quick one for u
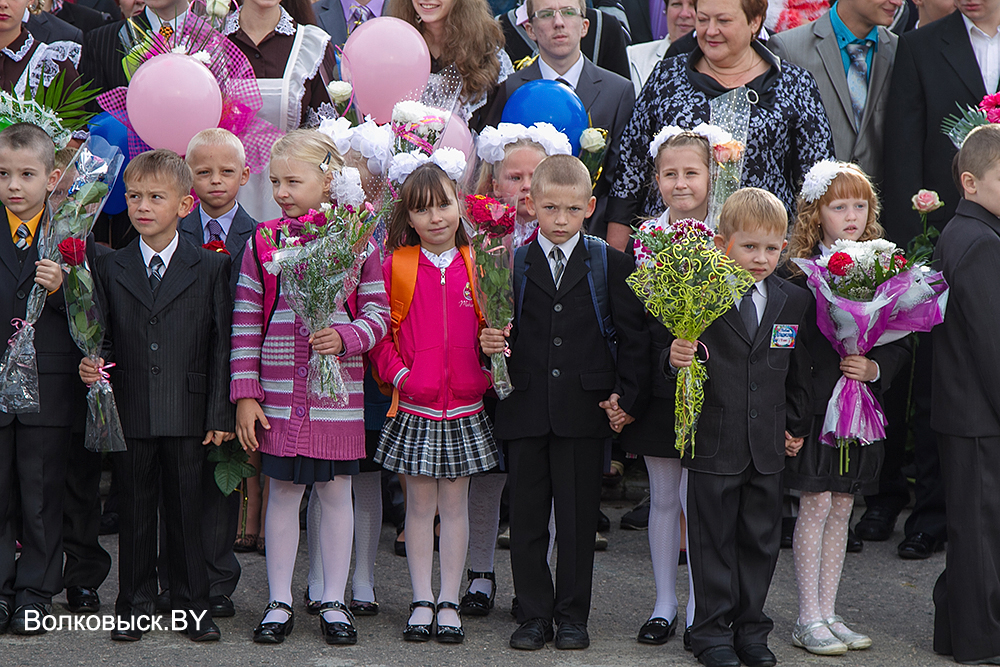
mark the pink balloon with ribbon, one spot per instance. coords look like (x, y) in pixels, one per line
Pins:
(457, 135)
(171, 98)
(386, 60)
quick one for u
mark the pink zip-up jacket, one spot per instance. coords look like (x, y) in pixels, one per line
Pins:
(437, 366)
(274, 369)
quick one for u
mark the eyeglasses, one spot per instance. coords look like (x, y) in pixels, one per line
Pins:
(565, 12)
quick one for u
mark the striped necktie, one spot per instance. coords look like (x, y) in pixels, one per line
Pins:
(22, 237)
(857, 79)
(155, 272)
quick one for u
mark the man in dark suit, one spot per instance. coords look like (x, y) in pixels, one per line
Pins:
(48, 28)
(936, 72)
(84, 18)
(562, 369)
(339, 18)
(757, 391)
(965, 408)
(168, 311)
(607, 96)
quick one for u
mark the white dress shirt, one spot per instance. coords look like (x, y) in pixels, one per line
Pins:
(442, 261)
(566, 247)
(987, 50)
(572, 75)
(165, 254)
(176, 22)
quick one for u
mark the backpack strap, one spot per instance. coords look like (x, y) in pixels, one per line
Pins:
(270, 284)
(522, 32)
(598, 279)
(404, 283)
(598, 29)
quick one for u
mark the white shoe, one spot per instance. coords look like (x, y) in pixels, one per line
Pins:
(855, 641)
(803, 636)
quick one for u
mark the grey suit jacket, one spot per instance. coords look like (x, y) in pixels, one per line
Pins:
(814, 47)
(608, 98)
(330, 17)
(236, 241)
(48, 28)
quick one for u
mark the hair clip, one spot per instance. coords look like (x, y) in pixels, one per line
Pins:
(324, 166)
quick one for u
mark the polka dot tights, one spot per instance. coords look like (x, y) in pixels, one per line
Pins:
(818, 549)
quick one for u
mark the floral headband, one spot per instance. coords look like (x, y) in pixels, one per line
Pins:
(818, 179)
(715, 135)
(493, 140)
(451, 160)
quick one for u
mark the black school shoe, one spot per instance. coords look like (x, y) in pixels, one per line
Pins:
(657, 631)
(479, 604)
(532, 635)
(274, 632)
(80, 599)
(638, 517)
(572, 636)
(757, 655)
(19, 621)
(338, 632)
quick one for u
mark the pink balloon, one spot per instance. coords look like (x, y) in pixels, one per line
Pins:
(386, 60)
(171, 98)
(457, 135)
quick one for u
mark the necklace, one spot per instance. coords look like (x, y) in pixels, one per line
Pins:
(725, 77)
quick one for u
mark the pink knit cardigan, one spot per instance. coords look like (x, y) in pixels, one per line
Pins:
(273, 370)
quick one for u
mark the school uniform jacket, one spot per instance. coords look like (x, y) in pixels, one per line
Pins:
(560, 364)
(190, 229)
(171, 351)
(755, 390)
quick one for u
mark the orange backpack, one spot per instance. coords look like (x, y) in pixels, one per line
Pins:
(404, 283)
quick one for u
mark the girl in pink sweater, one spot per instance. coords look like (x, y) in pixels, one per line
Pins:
(440, 434)
(303, 440)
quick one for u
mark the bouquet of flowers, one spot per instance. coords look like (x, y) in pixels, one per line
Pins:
(319, 257)
(687, 284)
(593, 148)
(417, 126)
(727, 133)
(90, 177)
(867, 294)
(492, 250)
(957, 128)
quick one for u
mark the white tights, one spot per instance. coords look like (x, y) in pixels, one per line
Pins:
(818, 549)
(282, 536)
(665, 476)
(450, 499)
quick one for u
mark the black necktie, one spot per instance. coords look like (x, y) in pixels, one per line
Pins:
(155, 272)
(557, 256)
(748, 313)
(564, 82)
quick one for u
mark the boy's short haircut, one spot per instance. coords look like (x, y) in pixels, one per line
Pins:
(980, 152)
(64, 156)
(217, 136)
(26, 136)
(750, 209)
(560, 171)
(161, 163)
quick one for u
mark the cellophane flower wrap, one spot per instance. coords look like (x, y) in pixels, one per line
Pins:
(593, 148)
(492, 247)
(867, 294)
(687, 283)
(728, 135)
(319, 257)
(88, 180)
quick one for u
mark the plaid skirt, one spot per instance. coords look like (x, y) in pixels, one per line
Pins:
(447, 449)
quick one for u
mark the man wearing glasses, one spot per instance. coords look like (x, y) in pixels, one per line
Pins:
(558, 26)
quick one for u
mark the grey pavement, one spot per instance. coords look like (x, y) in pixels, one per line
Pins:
(880, 595)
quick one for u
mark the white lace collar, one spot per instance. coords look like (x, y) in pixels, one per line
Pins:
(286, 25)
(29, 41)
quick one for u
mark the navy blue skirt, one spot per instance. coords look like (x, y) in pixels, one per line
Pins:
(303, 469)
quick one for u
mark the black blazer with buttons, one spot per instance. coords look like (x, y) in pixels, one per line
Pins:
(560, 364)
(56, 354)
(171, 351)
(236, 241)
(754, 392)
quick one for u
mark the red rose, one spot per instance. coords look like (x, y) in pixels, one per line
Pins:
(216, 246)
(840, 263)
(900, 262)
(74, 251)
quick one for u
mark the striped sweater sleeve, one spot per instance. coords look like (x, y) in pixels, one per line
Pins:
(247, 335)
(372, 321)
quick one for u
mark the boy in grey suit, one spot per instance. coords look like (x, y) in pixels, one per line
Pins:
(756, 397)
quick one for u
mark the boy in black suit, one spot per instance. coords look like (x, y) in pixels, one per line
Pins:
(168, 314)
(965, 405)
(218, 162)
(563, 368)
(33, 446)
(757, 392)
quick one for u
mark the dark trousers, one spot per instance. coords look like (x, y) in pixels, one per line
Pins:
(734, 534)
(87, 563)
(178, 462)
(967, 594)
(220, 522)
(33, 457)
(566, 472)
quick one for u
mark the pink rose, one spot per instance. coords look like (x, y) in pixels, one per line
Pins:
(926, 201)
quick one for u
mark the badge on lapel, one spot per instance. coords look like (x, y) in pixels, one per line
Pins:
(783, 335)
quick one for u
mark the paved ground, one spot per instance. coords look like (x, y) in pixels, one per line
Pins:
(888, 598)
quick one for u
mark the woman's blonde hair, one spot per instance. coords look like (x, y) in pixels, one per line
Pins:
(472, 39)
(850, 183)
(490, 173)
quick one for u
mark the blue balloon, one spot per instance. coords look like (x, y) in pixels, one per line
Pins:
(545, 101)
(105, 125)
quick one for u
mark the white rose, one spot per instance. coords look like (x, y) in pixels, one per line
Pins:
(407, 112)
(218, 9)
(592, 140)
(339, 91)
(347, 190)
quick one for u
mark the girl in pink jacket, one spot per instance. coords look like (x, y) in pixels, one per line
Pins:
(440, 434)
